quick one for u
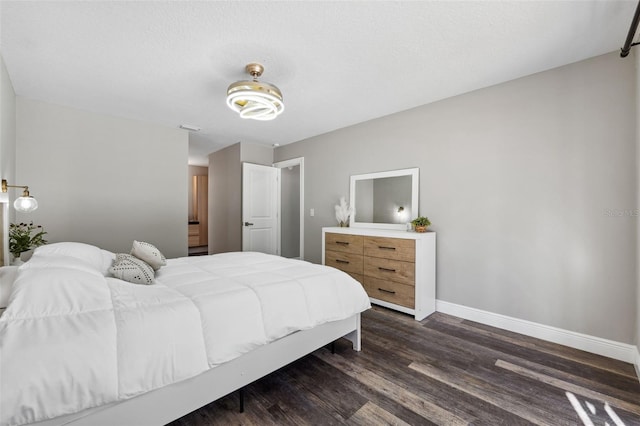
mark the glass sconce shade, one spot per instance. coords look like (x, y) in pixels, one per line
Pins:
(25, 204)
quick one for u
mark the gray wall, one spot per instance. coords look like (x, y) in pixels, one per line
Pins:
(522, 182)
(257, 154)
(103, 180)
(7, 132)
(225, 193)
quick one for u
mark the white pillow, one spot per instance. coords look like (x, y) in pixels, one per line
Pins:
(129, 268)
(107, 260)
(149, 253)
(94, 256)
(7, 275)
(55, 260)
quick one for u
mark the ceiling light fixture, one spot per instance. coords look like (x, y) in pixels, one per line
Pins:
(254, 99)
(26, 203)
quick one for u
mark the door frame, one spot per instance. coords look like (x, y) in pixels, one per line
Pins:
(299, 161)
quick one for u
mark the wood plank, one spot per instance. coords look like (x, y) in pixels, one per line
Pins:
(371, 414)
(393, 390)
(504, 349)
(476, 411)
(572, 354)
(488, 393)
(564, 385)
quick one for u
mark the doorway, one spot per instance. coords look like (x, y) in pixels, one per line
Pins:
(273, 208)
(291, 207)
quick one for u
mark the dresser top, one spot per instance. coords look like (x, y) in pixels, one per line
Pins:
(374, 232)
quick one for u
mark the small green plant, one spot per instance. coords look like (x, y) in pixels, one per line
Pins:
(421, 221)
(22, 237)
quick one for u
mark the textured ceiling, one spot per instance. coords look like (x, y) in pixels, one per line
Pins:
(337, 63)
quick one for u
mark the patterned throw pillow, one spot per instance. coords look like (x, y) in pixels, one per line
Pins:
(149, 253)
(129, 268)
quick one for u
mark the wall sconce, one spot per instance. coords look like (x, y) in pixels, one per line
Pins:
(26, 203)
(400, 209)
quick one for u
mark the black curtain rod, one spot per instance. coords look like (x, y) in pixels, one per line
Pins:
(632, 32)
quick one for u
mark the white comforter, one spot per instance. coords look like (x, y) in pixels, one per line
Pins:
(73, 339)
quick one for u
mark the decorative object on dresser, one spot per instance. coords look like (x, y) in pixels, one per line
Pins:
(343, 212)
(421, 223)
(396, 268)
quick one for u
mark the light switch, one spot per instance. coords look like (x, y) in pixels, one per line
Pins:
(312, 212)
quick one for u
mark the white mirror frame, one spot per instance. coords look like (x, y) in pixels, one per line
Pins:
(415, 180)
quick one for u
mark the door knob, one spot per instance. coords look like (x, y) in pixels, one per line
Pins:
(248, 224)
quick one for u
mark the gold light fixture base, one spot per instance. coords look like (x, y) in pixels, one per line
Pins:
(254, 69)
(5, 188)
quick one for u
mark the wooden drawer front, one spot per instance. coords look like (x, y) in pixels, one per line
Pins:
(194, 229)
(194, 240)
(392, 270)
(347, 262)
(390, 248)
(344, 243)
(400, 294)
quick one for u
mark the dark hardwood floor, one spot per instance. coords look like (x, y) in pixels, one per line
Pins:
(442, 370)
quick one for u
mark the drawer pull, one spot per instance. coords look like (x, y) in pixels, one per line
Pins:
(386, 269)
(344, 243)
(342, 261)
(386, 248)
(386, 291)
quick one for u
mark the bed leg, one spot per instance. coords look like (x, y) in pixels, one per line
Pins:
(241, 397)
(333, 347)
(356, 336)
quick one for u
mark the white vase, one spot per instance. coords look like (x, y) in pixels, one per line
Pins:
(16, 260)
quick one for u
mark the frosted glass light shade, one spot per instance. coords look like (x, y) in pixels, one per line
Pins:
(253, 99)
(25, 204)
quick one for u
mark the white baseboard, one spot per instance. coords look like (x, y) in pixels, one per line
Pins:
(609, 348)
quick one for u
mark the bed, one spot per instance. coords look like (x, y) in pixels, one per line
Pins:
(80, 347)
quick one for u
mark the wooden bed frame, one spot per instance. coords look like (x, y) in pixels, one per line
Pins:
(171, 402)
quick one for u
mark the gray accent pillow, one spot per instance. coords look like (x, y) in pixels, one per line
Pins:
(129, 268)
(149, 253)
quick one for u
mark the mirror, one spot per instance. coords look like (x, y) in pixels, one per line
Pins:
(385, 199)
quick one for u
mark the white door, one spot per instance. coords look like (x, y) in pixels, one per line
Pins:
(260, 202)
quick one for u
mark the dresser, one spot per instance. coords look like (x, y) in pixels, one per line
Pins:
(396, 268)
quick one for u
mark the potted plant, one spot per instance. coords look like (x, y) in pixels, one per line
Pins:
(24, 237)
(421, 223)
